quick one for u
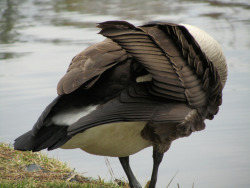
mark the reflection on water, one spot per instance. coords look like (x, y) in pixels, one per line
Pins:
(9, 17)
(38, 39)
(8, 21)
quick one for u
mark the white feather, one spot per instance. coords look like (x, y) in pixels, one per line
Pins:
(144, 78)
(72, 115)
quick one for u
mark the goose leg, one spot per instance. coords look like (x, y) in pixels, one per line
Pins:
(157, 157)
(131, 178)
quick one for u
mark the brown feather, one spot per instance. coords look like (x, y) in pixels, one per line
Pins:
(86, 67)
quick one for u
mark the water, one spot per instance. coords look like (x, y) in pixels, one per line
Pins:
(38, 39)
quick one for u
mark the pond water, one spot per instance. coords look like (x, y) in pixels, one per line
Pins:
(38, 39)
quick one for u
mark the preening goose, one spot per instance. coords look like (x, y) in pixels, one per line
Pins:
(142, 86)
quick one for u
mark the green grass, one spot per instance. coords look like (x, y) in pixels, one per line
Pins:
(54, 173)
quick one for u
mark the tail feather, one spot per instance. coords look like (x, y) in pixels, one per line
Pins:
(51, 137)
(44, 134)
(24, 142)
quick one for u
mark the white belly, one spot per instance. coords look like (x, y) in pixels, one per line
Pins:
(114, 139)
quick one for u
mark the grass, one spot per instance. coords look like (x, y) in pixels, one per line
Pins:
(53, 173)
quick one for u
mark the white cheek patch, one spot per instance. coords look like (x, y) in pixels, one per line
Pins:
(71, 116)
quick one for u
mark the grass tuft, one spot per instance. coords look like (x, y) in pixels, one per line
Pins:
(53, 173)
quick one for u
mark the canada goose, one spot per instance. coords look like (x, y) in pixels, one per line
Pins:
(142, 86)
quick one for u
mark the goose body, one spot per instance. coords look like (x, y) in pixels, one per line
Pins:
(114, 139)
(142, 86)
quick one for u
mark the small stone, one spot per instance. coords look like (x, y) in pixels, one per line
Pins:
(33, 167)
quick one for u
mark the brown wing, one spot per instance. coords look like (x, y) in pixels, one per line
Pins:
(180, 70)
(135, 104)
(87, 66)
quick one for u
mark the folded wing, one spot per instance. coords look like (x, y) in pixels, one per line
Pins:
(87, 67)
(180, 70)
(135, 104)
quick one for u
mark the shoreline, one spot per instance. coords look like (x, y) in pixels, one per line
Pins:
(36, 169)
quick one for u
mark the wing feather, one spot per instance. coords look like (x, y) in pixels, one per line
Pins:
(175, 58)
(87, 67)
(135, 104)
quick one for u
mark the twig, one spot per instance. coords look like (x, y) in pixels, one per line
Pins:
(172, 179)
(110, 169)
